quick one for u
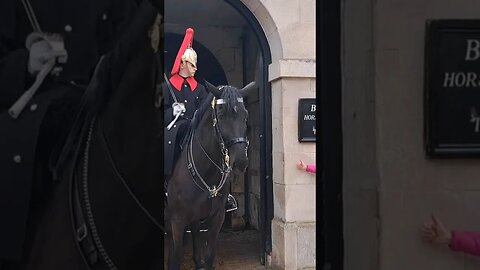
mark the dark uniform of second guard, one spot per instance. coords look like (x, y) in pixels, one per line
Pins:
(88, 29)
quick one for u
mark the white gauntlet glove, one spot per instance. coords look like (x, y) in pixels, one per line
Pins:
(44, 51)
(40, 53)
(43, 48)
(178, 109)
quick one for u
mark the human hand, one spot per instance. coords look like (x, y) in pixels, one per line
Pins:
(178, 108)
(39, 54)
(435, 232)
(301, 165)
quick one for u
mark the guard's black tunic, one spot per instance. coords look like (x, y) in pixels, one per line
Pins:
(174, 136)
(89, 29)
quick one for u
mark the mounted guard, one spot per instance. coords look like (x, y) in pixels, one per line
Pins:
(182, 97)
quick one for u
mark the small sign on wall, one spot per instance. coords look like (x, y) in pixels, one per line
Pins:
(452, 88)
(306, 120)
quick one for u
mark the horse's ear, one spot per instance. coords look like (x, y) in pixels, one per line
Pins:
(214, 90)
(247, 89)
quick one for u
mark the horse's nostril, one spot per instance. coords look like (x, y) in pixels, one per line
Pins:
(241, 165)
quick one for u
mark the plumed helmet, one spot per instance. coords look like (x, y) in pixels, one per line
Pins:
(186, 52)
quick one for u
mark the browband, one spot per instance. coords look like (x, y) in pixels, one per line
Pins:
(221, 101)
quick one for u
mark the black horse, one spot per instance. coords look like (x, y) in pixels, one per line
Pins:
(198, 187)
(106, 209)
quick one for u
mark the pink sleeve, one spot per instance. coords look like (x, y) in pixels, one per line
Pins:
(311, 168)
(468, 242)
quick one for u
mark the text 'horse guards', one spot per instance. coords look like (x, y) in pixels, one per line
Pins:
(198, 188)
(106, 209)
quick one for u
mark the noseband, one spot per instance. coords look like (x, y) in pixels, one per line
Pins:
(225, 168)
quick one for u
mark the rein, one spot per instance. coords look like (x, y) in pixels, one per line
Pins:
(85, 193)
(124, 183)
(226, 168)
(88, 206)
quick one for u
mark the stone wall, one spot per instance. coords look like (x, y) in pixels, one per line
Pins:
(390, 186)
(292, 76)
(360, 173)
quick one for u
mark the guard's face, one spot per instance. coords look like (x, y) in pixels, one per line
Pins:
(188, 68)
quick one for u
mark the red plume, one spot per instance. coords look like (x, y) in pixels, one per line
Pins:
(187, 42)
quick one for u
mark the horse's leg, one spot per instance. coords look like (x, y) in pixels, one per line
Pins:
(213, 231)
(198, 244)
(175, 251)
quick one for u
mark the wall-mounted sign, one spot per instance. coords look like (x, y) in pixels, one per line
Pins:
(452, 88)
(306, 120)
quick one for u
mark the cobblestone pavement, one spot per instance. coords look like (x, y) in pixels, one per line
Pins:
(235, 251)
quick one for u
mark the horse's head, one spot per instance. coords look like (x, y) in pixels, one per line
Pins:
(230, 120)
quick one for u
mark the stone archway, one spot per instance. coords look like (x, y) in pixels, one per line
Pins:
(290, 32)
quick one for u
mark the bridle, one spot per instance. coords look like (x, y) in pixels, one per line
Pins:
(225, 167)
(225, 145)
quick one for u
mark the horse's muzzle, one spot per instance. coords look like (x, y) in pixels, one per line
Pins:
(239, 158)
(240, 166)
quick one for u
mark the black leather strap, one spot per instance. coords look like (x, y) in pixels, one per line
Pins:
(84, 115)
(84, 240)
(236, 140)
(83, 236)
(169, 86)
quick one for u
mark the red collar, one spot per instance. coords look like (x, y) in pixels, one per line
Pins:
(177, 80)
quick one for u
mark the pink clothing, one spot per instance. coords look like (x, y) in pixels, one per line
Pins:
(468, 242)
(311, 168)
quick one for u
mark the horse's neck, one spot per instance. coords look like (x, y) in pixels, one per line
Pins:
(132, 100)
(209, 141)
(130, 120)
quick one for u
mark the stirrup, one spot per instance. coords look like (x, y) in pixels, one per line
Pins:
(231, 204)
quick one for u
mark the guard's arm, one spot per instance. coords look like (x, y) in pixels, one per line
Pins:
(168, 101)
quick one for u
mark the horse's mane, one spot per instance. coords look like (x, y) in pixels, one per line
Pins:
(132, 39)
(230, 95)
(201, 111)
